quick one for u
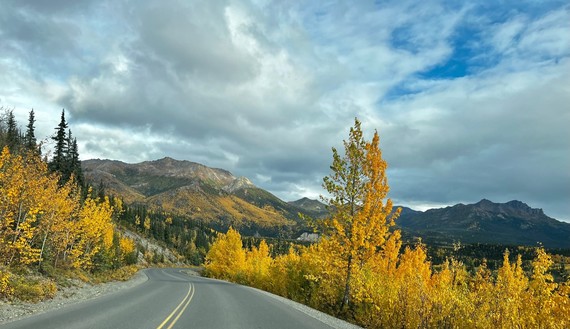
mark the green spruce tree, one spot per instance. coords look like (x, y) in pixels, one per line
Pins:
(30, 141)
(12, 133)
(73, 162)
(58, 162)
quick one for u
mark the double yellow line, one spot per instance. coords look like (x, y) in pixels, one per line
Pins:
(179, 309)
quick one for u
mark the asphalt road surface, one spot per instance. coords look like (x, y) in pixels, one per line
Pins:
(173, 299)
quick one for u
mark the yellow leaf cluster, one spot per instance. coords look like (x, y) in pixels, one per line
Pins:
(40, 220)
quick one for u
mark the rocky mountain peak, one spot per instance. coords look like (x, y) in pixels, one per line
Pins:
(237, 184)
(513, 208)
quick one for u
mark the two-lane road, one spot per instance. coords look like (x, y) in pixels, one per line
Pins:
(172, 299)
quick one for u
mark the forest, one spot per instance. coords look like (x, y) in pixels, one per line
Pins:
(361, 271)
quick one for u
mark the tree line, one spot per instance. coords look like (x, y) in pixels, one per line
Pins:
(360, 271)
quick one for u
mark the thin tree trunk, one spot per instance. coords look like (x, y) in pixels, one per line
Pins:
(346, 295)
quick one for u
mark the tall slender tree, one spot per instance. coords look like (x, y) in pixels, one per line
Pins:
(12, 133)
(58, 162)
(73, 162)
(30, 137)
(361, 219)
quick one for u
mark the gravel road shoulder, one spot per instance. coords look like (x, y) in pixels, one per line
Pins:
(12, 311)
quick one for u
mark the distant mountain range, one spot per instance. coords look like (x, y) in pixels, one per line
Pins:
(217, 197)
(513, 223)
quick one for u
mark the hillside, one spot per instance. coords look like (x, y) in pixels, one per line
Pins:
(513, 223)
(199, 192)
(217, 197)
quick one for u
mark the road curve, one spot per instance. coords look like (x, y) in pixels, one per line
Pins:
(172, 299)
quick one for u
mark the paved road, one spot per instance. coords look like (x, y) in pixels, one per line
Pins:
(173, 299)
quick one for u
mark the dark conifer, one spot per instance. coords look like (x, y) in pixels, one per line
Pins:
(58, 162)
(73, 162)
(30, 141)
(12, 133)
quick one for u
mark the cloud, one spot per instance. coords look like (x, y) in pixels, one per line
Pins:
(469, 99)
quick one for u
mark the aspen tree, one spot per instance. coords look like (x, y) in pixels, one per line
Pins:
(226, 258)
(360, 223)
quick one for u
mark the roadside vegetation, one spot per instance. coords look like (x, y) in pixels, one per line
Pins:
(360, 271)
(52, 225)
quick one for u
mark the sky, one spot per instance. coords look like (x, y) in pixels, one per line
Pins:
(471, 99)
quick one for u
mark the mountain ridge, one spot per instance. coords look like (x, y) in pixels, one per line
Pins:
(198, 192)
(217, 196)
(512, 222)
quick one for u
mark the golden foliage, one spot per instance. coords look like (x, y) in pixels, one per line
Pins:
(359, 272)
(226, 258)
(41, 220)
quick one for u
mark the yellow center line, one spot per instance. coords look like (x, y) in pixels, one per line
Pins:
(183, 309)
(185, 301)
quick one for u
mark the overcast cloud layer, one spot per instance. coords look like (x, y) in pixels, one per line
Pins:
(471, 100)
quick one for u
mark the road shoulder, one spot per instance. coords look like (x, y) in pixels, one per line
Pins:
(12, 311)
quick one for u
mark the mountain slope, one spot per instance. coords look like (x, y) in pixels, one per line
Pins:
(314, 208)
(196, 191)
(513, 222)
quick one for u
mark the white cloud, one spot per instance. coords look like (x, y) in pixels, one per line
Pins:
(264, 89)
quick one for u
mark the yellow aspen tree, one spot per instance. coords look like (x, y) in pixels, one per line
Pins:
(561, 301)
(21, 187)
(361, 220)
(413, 276)
(285, 274)
(226, 258)
(449, 296)
(127, 247)
(510, 290)
(481, 297)
(57, 214)
(258, 262)
(542, 288)
(95, 231)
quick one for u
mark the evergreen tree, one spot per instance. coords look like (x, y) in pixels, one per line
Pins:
(73, 162)
(30, 141)
(12, 133)
(58, 162)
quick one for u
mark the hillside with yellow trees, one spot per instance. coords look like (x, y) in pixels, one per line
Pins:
(359, 270)
(187, 189)
(50, 223)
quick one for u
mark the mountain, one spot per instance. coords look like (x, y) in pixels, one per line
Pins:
(196, 191)
(217, 197)
(512, 223)
(313, 208)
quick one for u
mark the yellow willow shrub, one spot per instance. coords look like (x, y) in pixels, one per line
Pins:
(226, 258)
(258, 262)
